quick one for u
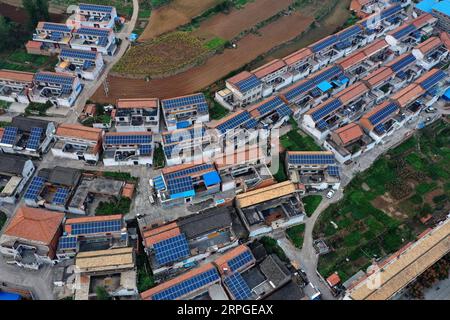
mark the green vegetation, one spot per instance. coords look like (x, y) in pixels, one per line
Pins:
(216, 110)
(294, 141)
(272, 246)
(281, 176)
(102, 294)
(2, 219)
(159, 159)
(216, 43)
(117, 206)
(11, 35)
(123, 176)
(369, 229)
(122, 7)
(4, 105)
(36, 108)
(311, 203)
(145, 279)
(295, 234)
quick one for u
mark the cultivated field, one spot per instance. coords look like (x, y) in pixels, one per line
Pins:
(173, 15)
(384, 208)
(215, 68)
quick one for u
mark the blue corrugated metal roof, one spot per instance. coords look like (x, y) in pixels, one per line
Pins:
(324, 86)
(8, 296)
(426, 5)
(443, 7)
(211, 178)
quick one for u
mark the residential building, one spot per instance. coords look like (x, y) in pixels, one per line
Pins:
(27, 136)
(439, 9)
(348, 142)
(128, 148)
(381, 84)
(90, 234)
(186, 184)
(430, 53)
(49, 38)
(382, 120)
(313, 169)
(435, 83)
(15, 85)
(196, 237)
(31, 237)
(61, 89)
(135, 115)
(83, 64)
(184, 112)
(101, 40)
(114, 269)
(266, 209)
(78, 142)
(15, 172)
(274, 75)
(300, 63)
(241, 90)
(96, 16)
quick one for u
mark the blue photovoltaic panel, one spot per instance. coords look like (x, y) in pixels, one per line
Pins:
(95, 7)
(168, 150)
(327, 75)
(284, 111)
(333, 171)
(324, 43)
(240, 261)
(87, 64)
(238, 287)
(380, 128)
(54, 78)
(405, 31)
(321, 124)
(343, 45)
(202, 108)
(56, 27)
(198, 99)
(78, 54)
(349, 32)
(269, 106)
(180, 185)
(9, 135)
(390, 11)
(299, 90)
(96, 227)
(67, 242)
(402, 63)
(234, 122)
(325, 159)
(35, 138)
(35, 188)
(431, 81)
(96, 32)
(61, 196)
(102, 41)
(56, 36)
(326, 109)
(249, 83)
(189, 171)
(171, 250)
(383, 113)
(128, 139)
(251, 124)
(158, 183)
(145, 149)
(184, 287)
(184, 135)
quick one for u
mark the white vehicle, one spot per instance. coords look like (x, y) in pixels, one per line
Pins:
(330, 194)
(430, 110)
(150, 198)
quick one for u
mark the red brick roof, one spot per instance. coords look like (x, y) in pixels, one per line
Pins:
(16, 75)
(137, 103)
(349, 133)
(79, 131)
(333, 280)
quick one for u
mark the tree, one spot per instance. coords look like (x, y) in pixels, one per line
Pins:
(37, 10)
(102, 294)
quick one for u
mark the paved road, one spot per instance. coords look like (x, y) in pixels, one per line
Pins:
(440, 291)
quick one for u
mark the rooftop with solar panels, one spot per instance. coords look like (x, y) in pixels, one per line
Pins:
(128, 148)
(185, 111)
(96, 15)
(138, 114)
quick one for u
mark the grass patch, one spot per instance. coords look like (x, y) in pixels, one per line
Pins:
(272, 246)
(159, 160)
(293, 141)
(117, 206)
(145, 279)
(216, 43)
(3, 219)
(123, 176)
(40, 109)
(311, 203)
(424, 187)
(4, 104)
(296, 234)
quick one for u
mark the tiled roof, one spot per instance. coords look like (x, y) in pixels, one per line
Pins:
(79, 131)
(352, 60)
(379, 76)
(128, 190)
(137, 103)
(423, 20)
(35, 224)
(375, 47)
(93, 219)
(161, 233)
(366, 123)
(239, 77)
(333, 280)
(349, 133)
(278, 190)
(445, 37)
(222, 261)
(407, 95)
(269, 68)
(429, 44)
(352, 93)
(16, 75)
(297, 56)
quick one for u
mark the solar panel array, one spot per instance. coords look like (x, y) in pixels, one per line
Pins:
(78, 54)
(102, 41)
(402, 63)
(326, 109)
(349, 32)
(324, 43)
(54, 78)
(56, 27)
(234, 122)
(324, 159)
(333, 171)
(185, 135)
(56, 36)
(284, 110)
(184, 287)
(60, 196)
(35, 138)
(171, 250)
(145, 149)
(180, 185)
(35, 188)
(383, 113)
(184, 101)
(95, 32)
(67, 242)
(240, 261)
(238, 287)
(96, 227)
(431, 81)
(159, 183)
(248, 84)
(95, 7)
(404, 31)
(189, 171)
(9, 135)
(390, 11)
(321, 124)
(380, 128)
(128, 139)
(269, 106)
(251, 124)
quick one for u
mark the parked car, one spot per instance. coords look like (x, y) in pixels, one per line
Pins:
(430, 110)
(331, 193)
